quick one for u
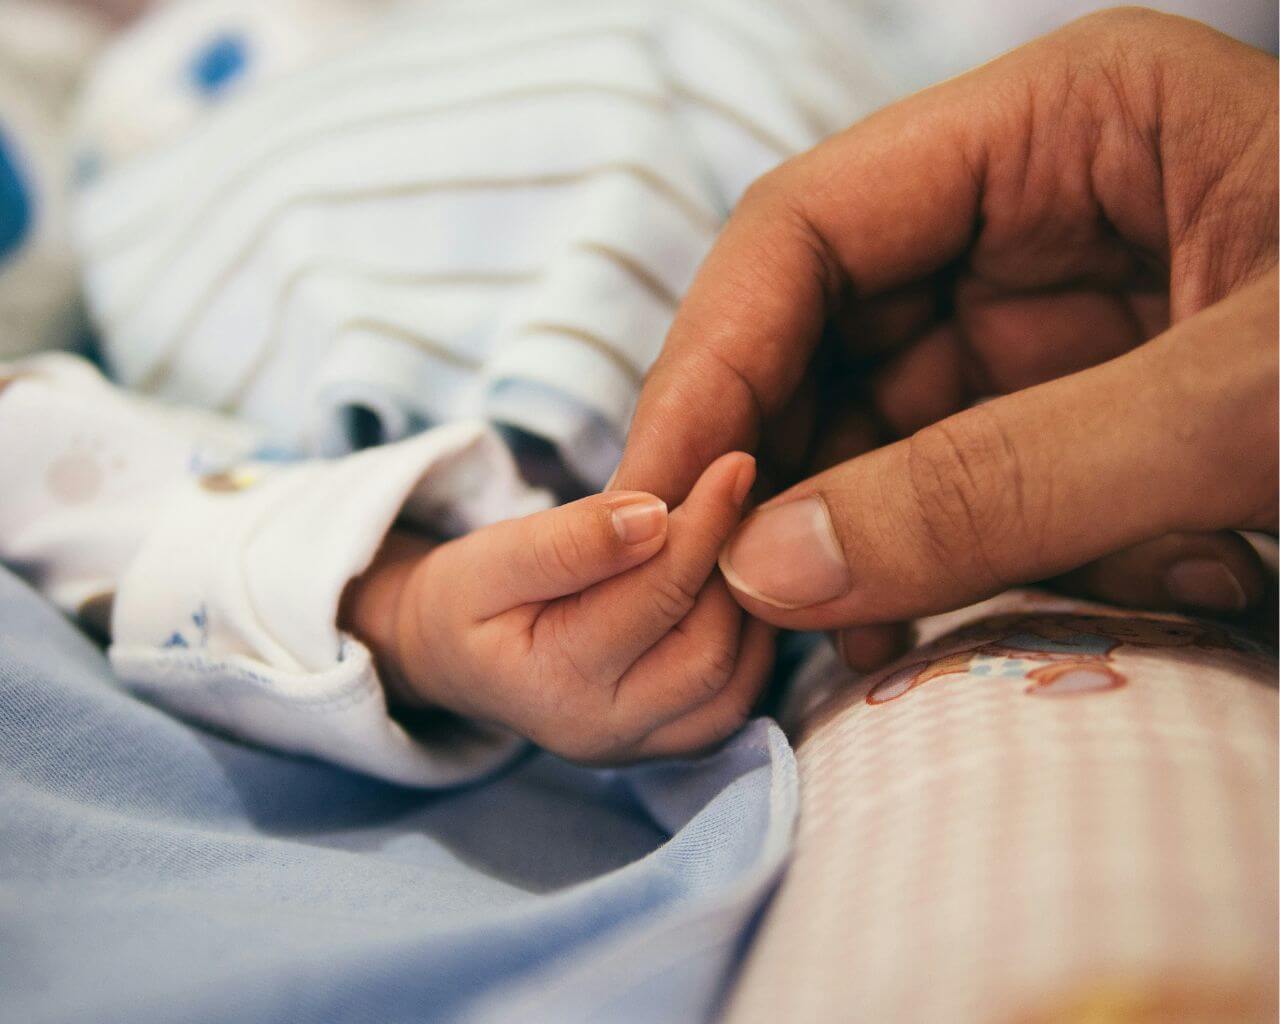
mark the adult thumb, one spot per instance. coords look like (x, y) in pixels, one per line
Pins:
(1177, 435)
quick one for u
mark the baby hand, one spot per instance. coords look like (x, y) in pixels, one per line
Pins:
(598, 629)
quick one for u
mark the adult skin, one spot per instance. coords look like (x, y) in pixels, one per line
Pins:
(1085, 229)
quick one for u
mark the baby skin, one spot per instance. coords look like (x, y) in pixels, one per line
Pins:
(600, 629)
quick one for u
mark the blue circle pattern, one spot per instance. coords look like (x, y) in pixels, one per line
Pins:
(15, 202)
(984, 665)
(218, 63)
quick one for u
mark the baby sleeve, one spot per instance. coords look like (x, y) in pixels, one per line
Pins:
(217, 572)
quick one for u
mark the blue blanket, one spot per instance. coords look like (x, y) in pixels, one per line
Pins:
(150, 871)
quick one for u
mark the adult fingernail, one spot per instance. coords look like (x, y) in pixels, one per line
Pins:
(640, 521)
(787, 556)
(1205, 583)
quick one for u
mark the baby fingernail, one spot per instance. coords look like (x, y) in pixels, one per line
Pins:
(1205, 583)
(788, 556)
(640, 521)
(746, 477)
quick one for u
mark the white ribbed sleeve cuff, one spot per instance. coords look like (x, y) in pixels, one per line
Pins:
(227, 615)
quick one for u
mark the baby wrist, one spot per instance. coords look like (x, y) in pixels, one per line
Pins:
(378, 609)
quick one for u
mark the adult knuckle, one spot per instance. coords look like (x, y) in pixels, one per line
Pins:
(730, 380)
(786, 198)
(1170, 42)
(1121, 17)
(767, 190)
(1119, 24)
(1099, 45)
(968, 493)
(941, 493)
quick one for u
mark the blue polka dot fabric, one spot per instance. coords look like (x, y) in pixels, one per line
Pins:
(15, 201)
(218, 63)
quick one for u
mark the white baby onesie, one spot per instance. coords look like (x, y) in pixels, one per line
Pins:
(218, 576)
(456, 209)
(330, 224)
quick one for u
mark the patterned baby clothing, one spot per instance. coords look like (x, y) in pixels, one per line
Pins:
(425, 229)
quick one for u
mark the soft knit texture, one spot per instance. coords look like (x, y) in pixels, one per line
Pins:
(330, 224)
(151, 872)
(217, 577)
(429, 211)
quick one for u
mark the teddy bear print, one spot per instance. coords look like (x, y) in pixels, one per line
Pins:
(1055, 655)
(79, 474)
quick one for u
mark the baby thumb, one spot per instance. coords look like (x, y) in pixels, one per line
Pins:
(553, 553)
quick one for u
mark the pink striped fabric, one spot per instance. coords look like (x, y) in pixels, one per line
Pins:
(988, 846)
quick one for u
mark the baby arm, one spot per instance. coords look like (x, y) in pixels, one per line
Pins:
(596, 629)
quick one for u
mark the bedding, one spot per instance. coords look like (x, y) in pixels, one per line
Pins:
(153, 872)
(1050, 811)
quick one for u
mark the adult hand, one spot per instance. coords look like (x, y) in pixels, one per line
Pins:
(1085, 228)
